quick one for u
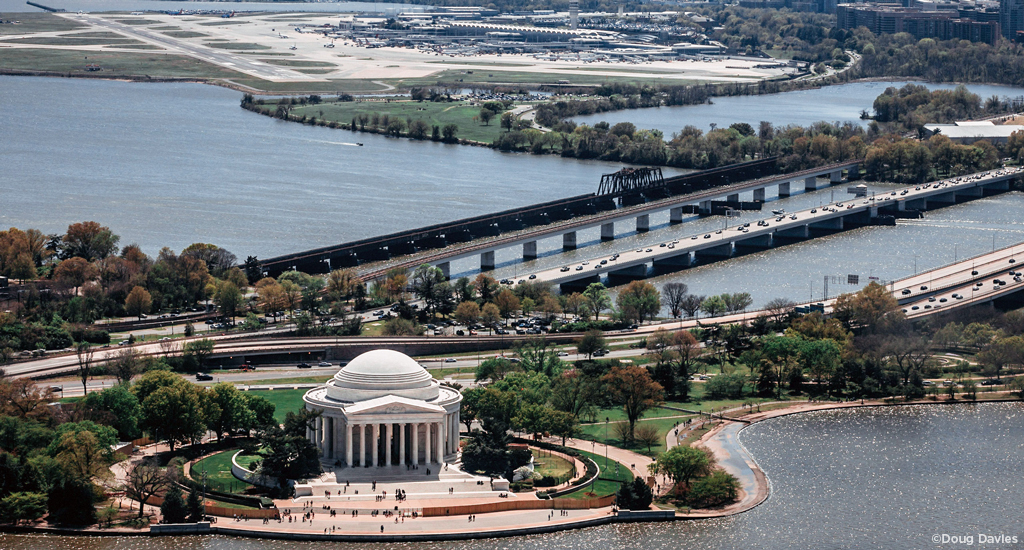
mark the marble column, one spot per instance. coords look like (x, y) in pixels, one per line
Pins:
(440, 442)
(401, 444)
(329, 452)
(349, 434)
(362, 444)
(376, 444)
(320, 433)
(388, 441)
(415, 427)
(426, 442)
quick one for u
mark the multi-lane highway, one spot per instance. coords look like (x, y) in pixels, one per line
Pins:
(764, 233)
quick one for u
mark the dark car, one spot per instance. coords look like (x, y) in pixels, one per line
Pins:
(203, 377)
(990, 382)
(305, 366)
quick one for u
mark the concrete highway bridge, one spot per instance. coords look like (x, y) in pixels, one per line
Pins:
(780, 230)
(633, 217)
(688, 193)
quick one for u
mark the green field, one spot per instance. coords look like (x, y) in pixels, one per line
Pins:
(612, 475)
(185, 34)
(218, 473)
(482, 76)
(36, 22)
(137, 21)
(112, 63)
(547, 464)
(285, 401)
(439, 114)
(70, 41)
(297, 63)
(596, 432)
(237, 45)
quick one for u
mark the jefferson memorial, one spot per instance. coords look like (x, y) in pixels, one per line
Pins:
(384, 410)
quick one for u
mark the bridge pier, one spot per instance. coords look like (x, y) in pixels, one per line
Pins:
(971, 192)
(915, 204)
(1001, 185)
(836, 177)
(800, 232)
(944, 199)
(759, 195)
(705, 207)
(608, 231)
(675, 215)
(530, 250)
(487, 260)
(811, 183)
(784, 189)
(446, 269)
(758, 242)
(735, 197)
(720, 251)
(569, 241)
(643, 223)
(683, 260)
(831, 223)
(638, 271)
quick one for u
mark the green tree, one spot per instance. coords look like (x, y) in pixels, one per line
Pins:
(683, 463)
(173, 508)
(634, 495)
(633, 388)
(486, 115)
(717, 489)
(639, 300)
(175, 413)
(71, 502)
(198, 351)
(597, 299)
(194, 505)
(22, 506)
(285, 451)
(591, 342)
(123, 407)
(228, 299)
(714, 306)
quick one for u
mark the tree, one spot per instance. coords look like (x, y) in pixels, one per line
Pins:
(673, 296)
(82, 454)
(450, 133)
(75, 272)
(144, 478)
(715, 490)
(174, 413)
(562, 424)
(122, 405)
(647, 435)
(574, 393)
(228, 298)
(713, 306)
(490, 314)
(22, 506)
(138, 302)
(467, 313)
(88, 240)
(590, 342)
(633, 388)
(867, 308)
(426, 282)
(285, 451)
(639, 300)
(634, 495)
(1002, 352)
(779, 308)
(691, 304)
(597, 299)
(173, 508)
(400, 327)
(231, 409)
(486, 115)
(507, 303)
(71, 502)
(508, 120)
(194, 505)
(738, 301)
(574, 303)
(682, 463)
(124, 364)
(199, 351)
(84, 352)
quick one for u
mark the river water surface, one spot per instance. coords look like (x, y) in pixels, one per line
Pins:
(874, 478)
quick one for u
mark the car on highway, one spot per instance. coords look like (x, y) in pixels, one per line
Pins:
(324, 364)
(305, 366)
(531, 277)
(203, 377)
(906, 291)
(990, 382)
(563, 354)
(449, 360)
(564, 269)
(579, 268)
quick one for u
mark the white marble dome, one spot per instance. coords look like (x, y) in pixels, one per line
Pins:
(379, 373)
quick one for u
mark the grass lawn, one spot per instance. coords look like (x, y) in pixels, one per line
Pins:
(37, 22)
(297, 63)
(218, 473)
(324, 87)
(186, 34)
(138, 21)
(237, 45)
(112, 63)
(482, 76)
(71, 41)
(547, 464)
(612, 475)
(439, 114)
(293, 380)
(596, 432)
(285, 401)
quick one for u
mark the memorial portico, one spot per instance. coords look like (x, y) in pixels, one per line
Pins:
(383, 409)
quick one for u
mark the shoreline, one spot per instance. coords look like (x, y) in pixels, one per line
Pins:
(749, 499)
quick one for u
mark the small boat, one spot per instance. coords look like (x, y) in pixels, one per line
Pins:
(359, 144)
(778, 212)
